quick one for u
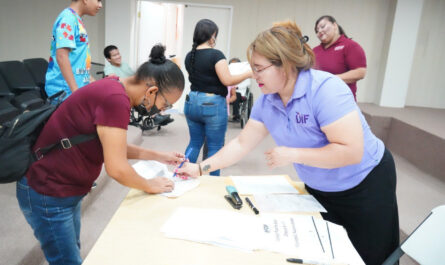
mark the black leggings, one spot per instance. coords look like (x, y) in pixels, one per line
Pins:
(368, 212)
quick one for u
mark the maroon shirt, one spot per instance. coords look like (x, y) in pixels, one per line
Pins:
(342, 56)
(71, 172)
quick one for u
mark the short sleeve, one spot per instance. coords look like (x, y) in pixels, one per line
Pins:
(114, 111)
(218, 56)
(108, 70)
(64, 33)
(257, 109)
(332, 100)
(355, 56)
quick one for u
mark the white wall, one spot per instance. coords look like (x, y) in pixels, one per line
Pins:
(25, 29)
(427, 83)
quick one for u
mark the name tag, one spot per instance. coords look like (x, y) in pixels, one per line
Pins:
(338, 48)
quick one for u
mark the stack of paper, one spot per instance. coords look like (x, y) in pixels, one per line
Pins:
(300, 236)
(217, 227)
(287, 203)
(263, 185)
(151, 169)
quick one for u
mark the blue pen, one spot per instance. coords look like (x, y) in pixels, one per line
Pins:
(185, 159)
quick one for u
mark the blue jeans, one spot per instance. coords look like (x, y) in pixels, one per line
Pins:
(207, 119)
(55, 221)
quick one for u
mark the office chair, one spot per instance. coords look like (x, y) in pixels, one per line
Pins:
(426, 243)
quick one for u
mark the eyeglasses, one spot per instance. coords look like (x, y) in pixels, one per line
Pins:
(167, 105)
(258, 71)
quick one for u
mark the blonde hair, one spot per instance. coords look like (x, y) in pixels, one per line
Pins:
(283, 45)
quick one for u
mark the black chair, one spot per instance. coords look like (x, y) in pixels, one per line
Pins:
(37, 67)
(20, 82)
(97, 70)
(7, 110)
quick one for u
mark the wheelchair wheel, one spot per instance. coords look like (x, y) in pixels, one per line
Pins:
(249, 105)
(242, 121)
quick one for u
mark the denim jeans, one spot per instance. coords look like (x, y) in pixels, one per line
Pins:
(207, 119)
(55, 221)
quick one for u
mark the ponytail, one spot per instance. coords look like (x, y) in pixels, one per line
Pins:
(165, 73)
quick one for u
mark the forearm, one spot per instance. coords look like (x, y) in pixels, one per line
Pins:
(236, 79)
(66, 70)
(330, 156)
(136, 152)
(127, 176)
(236, 149)
(353, 75)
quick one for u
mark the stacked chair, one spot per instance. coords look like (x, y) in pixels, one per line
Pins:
(21, 87)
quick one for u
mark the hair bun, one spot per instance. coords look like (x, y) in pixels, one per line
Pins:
(157, 54)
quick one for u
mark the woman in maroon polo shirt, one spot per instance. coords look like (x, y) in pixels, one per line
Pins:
(338, 54)
(51, 193)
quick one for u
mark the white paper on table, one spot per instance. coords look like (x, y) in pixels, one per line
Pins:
(150, 169)
(247, 185)
(287, 203)
(291, 234)
(338, 246)
(217, 227)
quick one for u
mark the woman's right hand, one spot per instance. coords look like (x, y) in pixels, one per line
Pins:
(188, 170)
(160, 185)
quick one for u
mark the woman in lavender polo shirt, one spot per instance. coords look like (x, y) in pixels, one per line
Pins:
(318, 127)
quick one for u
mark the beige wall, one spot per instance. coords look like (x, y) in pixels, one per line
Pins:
(368, 24)
(427, 83)
(25, 29)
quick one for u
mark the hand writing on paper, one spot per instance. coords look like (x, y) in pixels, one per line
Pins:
(160, 185)
(188, 170)
(278, 156)
(170, 158)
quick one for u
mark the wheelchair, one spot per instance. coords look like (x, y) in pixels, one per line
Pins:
(245, 107)
(140, 118)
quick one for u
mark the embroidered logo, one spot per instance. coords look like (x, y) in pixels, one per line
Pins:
(301, 118)
(339, 48)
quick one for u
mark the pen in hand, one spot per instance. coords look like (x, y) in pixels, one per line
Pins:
(254, 209)
(187, 154)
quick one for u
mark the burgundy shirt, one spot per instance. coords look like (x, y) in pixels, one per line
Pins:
(71, 172)
(342, 56)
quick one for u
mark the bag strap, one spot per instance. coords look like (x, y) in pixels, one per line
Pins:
(65, 143)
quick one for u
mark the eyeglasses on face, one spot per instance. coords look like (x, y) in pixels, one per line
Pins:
(167, 104)
(257, 70)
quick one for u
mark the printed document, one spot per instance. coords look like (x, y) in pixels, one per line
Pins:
(287, 203)
(247, 185)
(151, 169)
(299, 236)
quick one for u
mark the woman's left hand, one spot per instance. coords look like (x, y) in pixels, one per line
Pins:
(278, 156)
(171, 158)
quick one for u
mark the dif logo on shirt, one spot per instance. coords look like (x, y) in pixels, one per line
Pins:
(301, 118)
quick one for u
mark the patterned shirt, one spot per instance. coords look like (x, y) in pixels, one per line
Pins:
(69, 32)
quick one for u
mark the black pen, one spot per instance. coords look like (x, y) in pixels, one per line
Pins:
(306, 261)
(254, 209)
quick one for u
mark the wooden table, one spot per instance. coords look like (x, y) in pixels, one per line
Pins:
(133, 235)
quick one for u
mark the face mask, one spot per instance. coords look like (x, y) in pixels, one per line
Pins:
(141, 109)
(154, 110)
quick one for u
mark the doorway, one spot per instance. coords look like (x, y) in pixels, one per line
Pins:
(173, 24)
